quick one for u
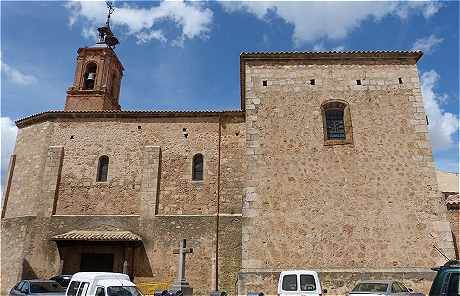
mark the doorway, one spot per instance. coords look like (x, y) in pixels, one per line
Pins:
(96, 262)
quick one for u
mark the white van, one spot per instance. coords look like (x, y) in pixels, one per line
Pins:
(299, 283)
(101, 284)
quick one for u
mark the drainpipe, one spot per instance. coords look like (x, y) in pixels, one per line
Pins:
(218, 204)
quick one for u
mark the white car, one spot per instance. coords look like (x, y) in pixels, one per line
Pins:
(299, 283)
(382, 288)
(101, 284)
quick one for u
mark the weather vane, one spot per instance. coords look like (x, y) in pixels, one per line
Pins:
(110, 11)
(105, 34)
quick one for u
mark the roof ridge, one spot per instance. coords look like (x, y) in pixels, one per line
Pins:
(331, 51)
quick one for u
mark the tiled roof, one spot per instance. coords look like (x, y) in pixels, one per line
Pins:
(331, 54)
(453, 199)
(120, 114)
(97, 235)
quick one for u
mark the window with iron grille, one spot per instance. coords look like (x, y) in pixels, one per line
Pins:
(197, 167)
(335, 124)
(103, 169)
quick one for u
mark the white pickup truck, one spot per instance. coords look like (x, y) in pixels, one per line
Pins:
(101, 284)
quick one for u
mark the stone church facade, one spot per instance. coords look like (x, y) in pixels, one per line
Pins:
(326, 166)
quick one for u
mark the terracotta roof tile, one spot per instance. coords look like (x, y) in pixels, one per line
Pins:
(328, 54)
(453, 199)
(97, 235)
(116, 113)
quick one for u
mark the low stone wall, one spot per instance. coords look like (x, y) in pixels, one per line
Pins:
(337, 282)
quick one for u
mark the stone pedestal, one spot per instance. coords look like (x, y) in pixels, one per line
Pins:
(184, 287)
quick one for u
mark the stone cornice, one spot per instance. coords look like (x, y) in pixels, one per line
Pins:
(52, 115)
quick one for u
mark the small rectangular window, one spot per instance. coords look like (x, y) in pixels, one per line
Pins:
(83, 289)
(264, 82)
(400, 80)
(312, 81)
(358, 82)
(25, 288)
(73, 288)
(307, 282)
(290, 282)
(100, 291)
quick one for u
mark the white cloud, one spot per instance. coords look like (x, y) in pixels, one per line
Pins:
(8, 140)
(16, 76)
(145, 37)
(332, 20)
(191, 18)
(442, 125)
(427, 44)
(321, 47)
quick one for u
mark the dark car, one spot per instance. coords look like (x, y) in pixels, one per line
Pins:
(63, 279)
(446, 281)
(37, 288)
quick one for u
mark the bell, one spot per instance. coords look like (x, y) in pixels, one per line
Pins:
(91, 76)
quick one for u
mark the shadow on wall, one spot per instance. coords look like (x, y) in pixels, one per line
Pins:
(27, 271)
(455, 237)
(142, 266)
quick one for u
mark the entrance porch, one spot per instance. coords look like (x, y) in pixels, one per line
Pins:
(109, 251)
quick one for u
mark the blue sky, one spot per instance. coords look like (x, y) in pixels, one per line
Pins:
(185, 55)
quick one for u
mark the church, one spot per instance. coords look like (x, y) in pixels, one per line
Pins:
(327, 165)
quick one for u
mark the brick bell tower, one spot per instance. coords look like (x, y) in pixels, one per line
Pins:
(98, 75)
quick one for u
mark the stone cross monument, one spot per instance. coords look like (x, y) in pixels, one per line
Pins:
(181, 283)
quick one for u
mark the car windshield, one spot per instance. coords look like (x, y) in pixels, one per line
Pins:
(62, 280)
(123, 291)
(370, 287)
(46, 287)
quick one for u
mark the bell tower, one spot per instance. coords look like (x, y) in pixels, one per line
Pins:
(98, 75)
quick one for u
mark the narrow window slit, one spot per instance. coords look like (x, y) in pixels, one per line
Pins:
(197, 167)
(102, 169)
(400, 80)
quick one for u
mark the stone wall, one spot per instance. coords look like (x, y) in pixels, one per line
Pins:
(453, 213)
(370, 203)
(149, 191)
(26, 183)
(84, 141)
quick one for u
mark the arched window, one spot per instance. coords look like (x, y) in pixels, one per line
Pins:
(102, 168)
(90, 76)
(197, 167)
(337, 123)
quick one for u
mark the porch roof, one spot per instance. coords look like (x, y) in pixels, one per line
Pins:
(97, 235)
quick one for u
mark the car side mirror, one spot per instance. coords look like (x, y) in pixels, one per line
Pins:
(26, 291)
(325, 291)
